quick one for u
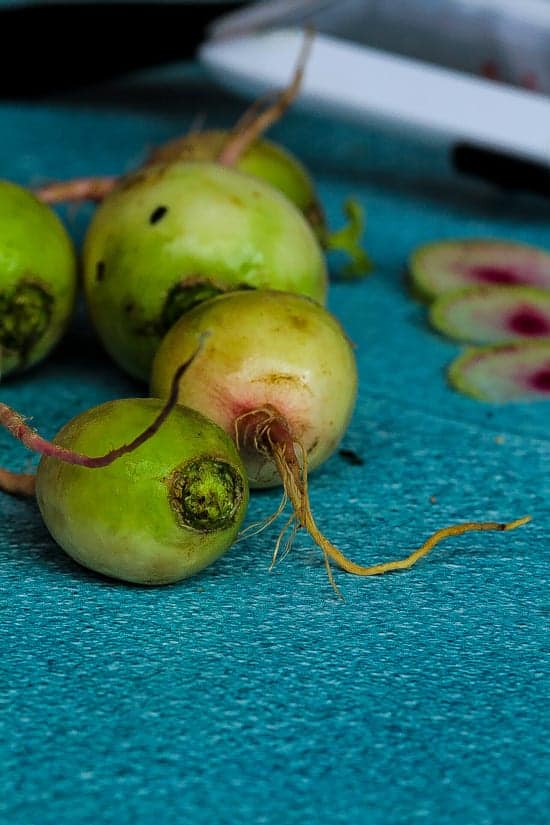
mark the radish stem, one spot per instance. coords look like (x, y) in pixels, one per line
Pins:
(77, 190)
(253, 123)
(23, 483)
(249, 127)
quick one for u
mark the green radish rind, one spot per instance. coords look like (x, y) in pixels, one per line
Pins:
(509, 371)
(158, 514)
(441, 266)
(167, 231)
(37, 279)
(262, 159)
(469, 314)
(281, 169)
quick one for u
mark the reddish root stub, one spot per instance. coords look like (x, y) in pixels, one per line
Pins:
(78, 190)
(17, 484)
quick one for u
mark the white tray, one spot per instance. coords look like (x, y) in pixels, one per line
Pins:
(362, 84)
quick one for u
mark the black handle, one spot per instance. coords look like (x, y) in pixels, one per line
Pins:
(504, 170)
(63, 46)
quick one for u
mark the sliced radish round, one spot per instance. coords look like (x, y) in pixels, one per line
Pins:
(444, 266)
(488, 314)
(504, 372)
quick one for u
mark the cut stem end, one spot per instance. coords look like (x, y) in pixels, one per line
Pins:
(77, 190)
(255, 122)
(17, 484)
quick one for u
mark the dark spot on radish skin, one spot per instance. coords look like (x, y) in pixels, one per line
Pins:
(129, 306)
(527, 321)
(158, 214)
(100, 271)
(313, 445)
(494, 275)
(298, 322)
(540, 381)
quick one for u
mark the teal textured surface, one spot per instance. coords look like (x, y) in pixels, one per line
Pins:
(249, 696)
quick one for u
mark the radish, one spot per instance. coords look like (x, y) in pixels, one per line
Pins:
(489, 314)
(170, 236)
(444, 266)
(278, 374)
(158, 509)
(261, 159)
(242, 149)
(508, 371)
(278, 167)
(37, 279)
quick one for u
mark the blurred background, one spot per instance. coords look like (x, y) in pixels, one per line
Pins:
(80, 42)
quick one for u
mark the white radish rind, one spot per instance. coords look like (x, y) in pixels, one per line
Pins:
(488, 314)
(510, 371)
(445, 266)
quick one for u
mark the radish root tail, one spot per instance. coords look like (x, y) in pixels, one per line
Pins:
(255, 122)
(269, 433)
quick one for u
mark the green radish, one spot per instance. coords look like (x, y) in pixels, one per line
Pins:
(171, 236)
(278, 374)
(37, 279)
(161, 508)
(162, 513)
